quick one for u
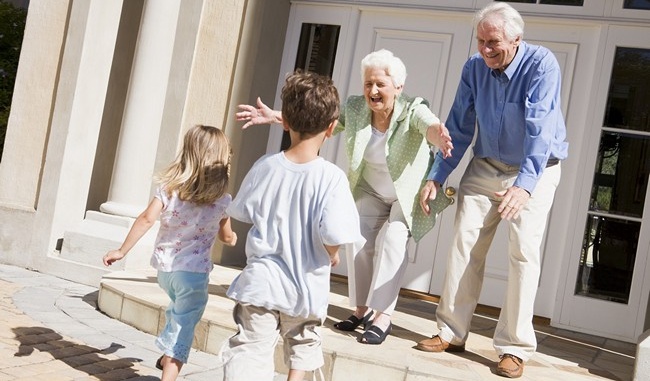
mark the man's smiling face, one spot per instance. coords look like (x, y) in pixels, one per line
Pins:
(496, 48)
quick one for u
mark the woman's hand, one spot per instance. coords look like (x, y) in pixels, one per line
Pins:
(260, 115)
(438, 135)
(428, 192)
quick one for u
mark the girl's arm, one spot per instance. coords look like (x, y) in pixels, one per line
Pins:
(141, 225)
(226, 234)
(260, 115)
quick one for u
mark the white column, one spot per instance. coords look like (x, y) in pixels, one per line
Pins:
(131, 181)
(136, 153)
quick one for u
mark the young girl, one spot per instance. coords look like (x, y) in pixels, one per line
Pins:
(191, 201)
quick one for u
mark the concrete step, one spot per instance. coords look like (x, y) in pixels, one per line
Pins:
(136, 299)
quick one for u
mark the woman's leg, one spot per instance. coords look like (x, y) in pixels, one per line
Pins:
(390, 266)
(373, 213)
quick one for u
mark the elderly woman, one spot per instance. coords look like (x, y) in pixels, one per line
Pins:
(388, 137)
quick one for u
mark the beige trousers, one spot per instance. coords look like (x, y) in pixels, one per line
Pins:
(476, 222)
(248, 355)
(381, 263)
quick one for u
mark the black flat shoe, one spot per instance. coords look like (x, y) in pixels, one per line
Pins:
(353, 322)
(374, 335)
(159, 363)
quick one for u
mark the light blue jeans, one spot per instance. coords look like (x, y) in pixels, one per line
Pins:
(188, 292)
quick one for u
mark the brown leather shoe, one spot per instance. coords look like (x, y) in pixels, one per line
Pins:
(510, 366)
(436, 344)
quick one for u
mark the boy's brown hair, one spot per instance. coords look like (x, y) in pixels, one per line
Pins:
(310, 102)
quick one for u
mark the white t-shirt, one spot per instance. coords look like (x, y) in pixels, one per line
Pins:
(187, 232)
(295, 209)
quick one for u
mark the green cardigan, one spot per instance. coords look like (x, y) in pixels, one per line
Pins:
(408, 153)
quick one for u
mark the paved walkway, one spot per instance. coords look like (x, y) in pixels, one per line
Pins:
(51, 330)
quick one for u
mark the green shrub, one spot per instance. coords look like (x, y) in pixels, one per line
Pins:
(12, 27)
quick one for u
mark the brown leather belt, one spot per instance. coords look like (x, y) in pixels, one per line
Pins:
(552, 162)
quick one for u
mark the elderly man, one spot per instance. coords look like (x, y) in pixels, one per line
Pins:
(509, 96)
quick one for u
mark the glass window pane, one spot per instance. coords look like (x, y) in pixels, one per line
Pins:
(316, 53)
(317, 48)
(607, 259)
(636, 4)
(629, 90)
(621, 175)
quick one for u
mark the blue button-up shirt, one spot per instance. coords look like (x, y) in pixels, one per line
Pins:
(516, 113)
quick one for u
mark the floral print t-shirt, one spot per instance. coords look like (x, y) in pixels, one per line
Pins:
(187, 232)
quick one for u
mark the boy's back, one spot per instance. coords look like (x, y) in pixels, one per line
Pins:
(295, 210)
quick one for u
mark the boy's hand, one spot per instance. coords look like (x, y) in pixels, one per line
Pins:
(112, 256)
(335, 259)
(232, 241)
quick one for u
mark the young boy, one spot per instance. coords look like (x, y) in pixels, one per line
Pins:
(302, 210)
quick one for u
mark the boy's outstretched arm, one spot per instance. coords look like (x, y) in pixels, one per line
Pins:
(142, 224)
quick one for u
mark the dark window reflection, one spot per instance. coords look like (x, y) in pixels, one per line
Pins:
(636, 4)
(628, 101)
(316, 54)
(620, 182)
(573, 3)
(607, 259)
(621, 175)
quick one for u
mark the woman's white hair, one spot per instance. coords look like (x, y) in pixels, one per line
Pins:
(513, 23)
(385, 60)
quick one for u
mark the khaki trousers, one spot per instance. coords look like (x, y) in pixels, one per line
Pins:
(248, 355)
(476, 223)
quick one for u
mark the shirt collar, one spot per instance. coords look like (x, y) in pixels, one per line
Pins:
(510, 70)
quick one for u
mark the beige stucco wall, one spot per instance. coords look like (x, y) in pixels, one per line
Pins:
(256, 73)
(27, 133)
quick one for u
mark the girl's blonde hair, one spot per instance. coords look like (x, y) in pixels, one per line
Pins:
(201, 171)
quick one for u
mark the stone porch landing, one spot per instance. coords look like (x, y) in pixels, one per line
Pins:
(137, 300)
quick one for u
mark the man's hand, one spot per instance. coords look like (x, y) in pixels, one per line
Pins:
(514, 200)
(428, 192)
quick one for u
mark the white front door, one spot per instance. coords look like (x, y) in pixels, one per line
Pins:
(434, 45)
(433, 48)
(606, 289)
